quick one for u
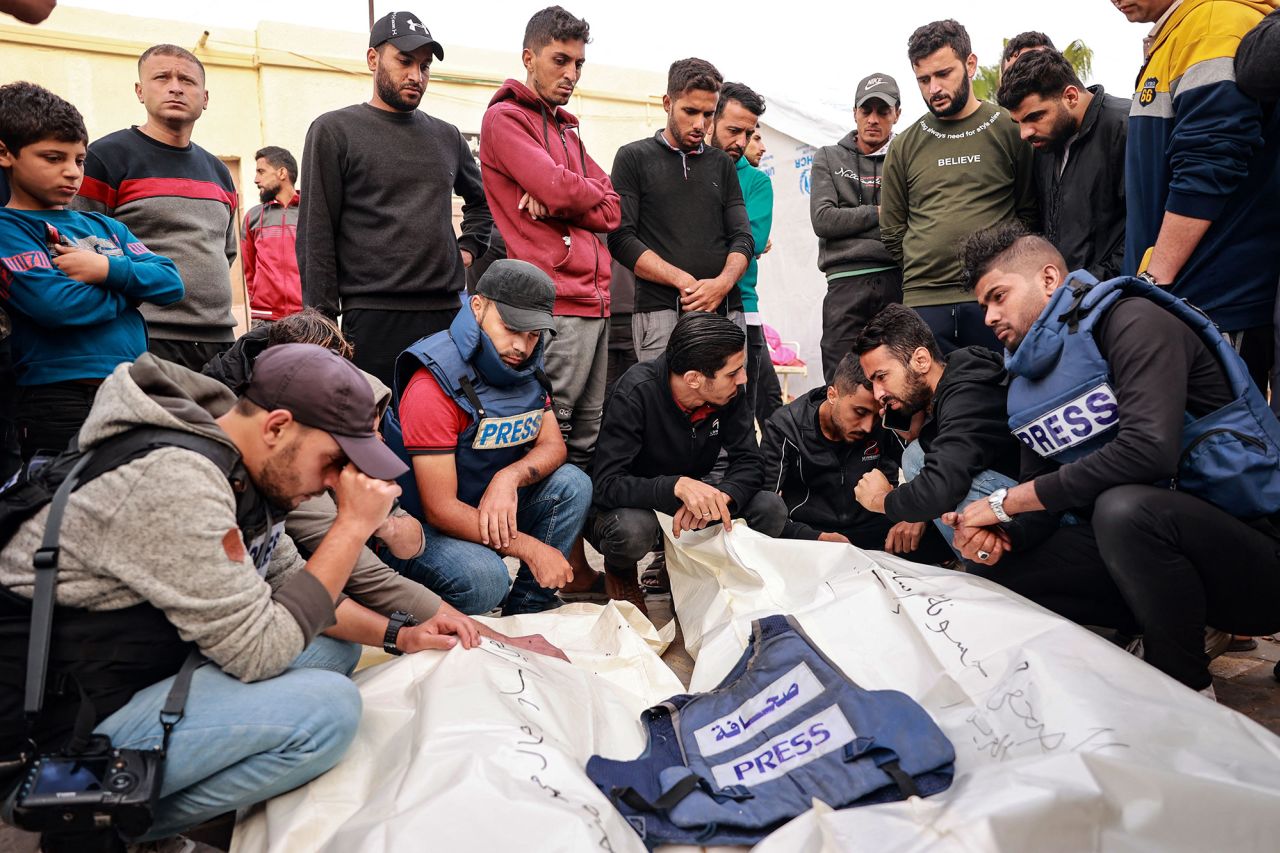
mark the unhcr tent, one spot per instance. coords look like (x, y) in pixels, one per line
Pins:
(791, 287)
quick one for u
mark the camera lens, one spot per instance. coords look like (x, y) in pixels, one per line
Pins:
(122, 782)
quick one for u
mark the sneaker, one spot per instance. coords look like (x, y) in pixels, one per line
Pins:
(1216, 642)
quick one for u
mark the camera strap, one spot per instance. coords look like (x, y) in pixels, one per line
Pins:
(45, 563)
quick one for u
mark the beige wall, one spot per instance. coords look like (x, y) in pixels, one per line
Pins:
(266, 86)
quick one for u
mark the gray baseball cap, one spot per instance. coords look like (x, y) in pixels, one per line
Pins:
(524, 294)
(880, 86)
(326, 392)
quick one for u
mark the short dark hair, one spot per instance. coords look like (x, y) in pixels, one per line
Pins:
(1043, 72)
(279, 158)
(900, 329)
(554, 23)
(1010, 241)
(849, 375)
(692, 73)
(1023, 41)
(310, 326)
(744, 95)
(934, 37)
(30, 113)
(703, 342)
(170, 50)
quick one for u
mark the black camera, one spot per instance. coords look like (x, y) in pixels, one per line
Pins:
(97, 790)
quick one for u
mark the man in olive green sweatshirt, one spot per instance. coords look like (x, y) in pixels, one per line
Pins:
(960, 168)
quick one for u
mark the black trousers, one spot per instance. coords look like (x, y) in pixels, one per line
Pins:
(10, 456)
(193, 355)
(622, 352)
(380, 336)
(49, 416)
(762, 381)
(849, 305)
(1182, 563)
(960, 325)
(1158, 563)
(1065, 573)
(624, 535)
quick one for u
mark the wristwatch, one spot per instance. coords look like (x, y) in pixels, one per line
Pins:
(399, 619)
(996, 501)
(1148, 278)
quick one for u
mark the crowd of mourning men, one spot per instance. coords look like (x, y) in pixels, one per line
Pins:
(1015, 384)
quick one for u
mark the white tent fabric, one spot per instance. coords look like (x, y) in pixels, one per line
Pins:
(1063, 741)
(790, 285)
(484, 749)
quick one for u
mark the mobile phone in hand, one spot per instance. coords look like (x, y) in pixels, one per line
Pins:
(896, 420)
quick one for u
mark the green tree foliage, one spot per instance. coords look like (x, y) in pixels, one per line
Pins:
(987, 80)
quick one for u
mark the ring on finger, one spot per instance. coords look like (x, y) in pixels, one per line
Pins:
(984, 555)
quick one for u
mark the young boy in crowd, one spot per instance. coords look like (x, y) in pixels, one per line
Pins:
(70, 282)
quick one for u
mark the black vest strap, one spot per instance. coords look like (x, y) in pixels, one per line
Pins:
(472, 397)
(901, 778)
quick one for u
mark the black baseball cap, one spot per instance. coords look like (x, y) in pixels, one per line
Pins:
(880, 86)
(406, 31)
(524, 294)
(326, 392)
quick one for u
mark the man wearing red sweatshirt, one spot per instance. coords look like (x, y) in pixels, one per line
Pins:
(549, 201)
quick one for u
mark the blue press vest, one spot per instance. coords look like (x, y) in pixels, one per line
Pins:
(1062, 405)
(786, 725)
(506, 405)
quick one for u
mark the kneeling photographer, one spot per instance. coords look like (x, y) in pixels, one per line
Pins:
(173, 543)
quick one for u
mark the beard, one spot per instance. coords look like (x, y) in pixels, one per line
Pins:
(268, 194)
(1064, 127)
(277, 481)
(957, 102)
(390, 94)
(917, 394)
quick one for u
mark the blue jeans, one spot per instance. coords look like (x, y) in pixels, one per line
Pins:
(473, 578)
(240, 744)
(983, 485)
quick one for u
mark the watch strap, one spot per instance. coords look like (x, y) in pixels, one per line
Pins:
(398, 620)
(995, 500)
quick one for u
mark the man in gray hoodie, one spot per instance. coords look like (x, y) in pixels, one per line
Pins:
(844, 205)
(164, 545)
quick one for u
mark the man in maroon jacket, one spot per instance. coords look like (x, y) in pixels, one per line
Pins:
(550, 201)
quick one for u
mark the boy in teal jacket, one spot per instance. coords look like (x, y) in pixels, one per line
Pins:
(70, 282)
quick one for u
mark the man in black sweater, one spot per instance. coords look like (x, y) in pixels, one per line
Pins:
(818, 447)
(375, 227)
(665, 425)
(685, 231)
(1172, 560)
(962, 448)
(1079, 135)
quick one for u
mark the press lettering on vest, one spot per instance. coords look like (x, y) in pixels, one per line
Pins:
(780, 698)
(1075, 422)
(823, 733)
(261, 548)
(511, 431)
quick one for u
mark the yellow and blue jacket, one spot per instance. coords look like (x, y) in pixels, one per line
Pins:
(1200, 147)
